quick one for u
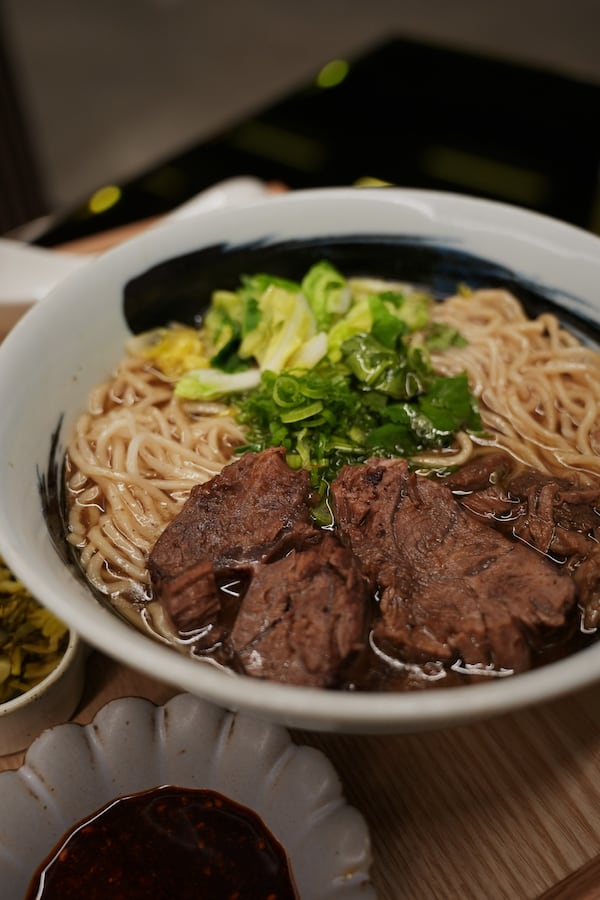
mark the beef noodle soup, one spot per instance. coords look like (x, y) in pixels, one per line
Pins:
(408, 496)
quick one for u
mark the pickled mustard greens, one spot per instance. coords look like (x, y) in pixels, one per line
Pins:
(32, 639)
(333, 369)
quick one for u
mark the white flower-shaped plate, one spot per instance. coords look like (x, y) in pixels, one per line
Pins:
(132, 745)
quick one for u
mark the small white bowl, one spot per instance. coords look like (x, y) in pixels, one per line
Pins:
(50, 702)
(132, 745)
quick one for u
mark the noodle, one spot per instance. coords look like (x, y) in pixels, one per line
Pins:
(537, 385)
(133, 459)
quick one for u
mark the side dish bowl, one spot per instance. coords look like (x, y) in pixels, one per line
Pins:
(48, 703)
(71, 340)
(71, 771)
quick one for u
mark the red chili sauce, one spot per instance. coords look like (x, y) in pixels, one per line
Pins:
(167, 843)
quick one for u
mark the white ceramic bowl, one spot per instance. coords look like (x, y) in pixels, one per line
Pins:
(70, 341)
(50, 702)
(71, 771)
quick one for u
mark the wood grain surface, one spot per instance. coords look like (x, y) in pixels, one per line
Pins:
(503, 810)
(507, 809)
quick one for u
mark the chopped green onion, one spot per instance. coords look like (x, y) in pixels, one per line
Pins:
(302, 412)
(333, 369)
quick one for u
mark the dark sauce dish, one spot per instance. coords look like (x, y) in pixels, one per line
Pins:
(222, 804)
(434, 240)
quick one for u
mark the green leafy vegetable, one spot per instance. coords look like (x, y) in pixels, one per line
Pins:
(401, 373)
(231, 316)
(386, 326)
(410, 305)
(305, 412)
(327, 293)
(286, 324)
(210, 384)
(440, 337)
(255, 285)
(333, 369)
(358, 320)
(449, 405)
(412, 308)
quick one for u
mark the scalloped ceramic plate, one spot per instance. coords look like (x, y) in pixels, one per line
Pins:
(132, 745)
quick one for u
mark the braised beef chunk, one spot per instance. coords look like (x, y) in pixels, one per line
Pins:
(558, 517)
(484, 567)
(305, 601)
(237, 517)
(451, 587)
(191, 598)
(526, 500)
(304, 616)
(480, 486)
(481, 472)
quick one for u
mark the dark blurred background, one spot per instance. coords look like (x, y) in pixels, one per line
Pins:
(161, 97)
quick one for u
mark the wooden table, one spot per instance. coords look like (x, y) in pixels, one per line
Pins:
(501, 810)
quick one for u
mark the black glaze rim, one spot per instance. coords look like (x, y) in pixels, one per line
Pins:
(180, 288)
